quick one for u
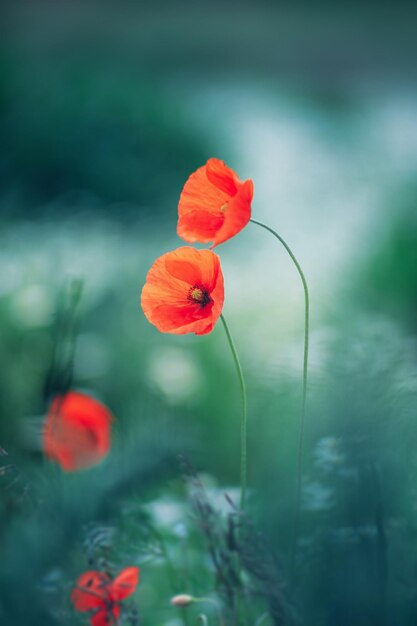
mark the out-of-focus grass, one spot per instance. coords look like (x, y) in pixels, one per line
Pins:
(389, 283)
(358, 488)
(101, 122)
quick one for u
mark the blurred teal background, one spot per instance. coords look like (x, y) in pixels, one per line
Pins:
(105, 109)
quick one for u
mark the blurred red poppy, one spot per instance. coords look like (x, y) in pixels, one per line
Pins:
(77, 431)
(184, 292)
(214, 204)
(98, 593)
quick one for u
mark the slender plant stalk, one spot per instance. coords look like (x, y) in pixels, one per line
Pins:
(305, 372)
(213, 603)
(243, 423)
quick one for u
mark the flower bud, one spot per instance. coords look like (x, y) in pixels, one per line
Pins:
(182, 599)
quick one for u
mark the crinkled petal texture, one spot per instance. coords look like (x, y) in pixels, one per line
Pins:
(77, 431)
(91, 591)
(167, 295)
(214, 204)
(124, 584)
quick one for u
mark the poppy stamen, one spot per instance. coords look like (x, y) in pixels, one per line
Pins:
(198, 295)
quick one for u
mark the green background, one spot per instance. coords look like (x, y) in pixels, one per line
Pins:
(105, 109)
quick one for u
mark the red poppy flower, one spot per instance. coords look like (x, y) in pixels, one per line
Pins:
(77, 431)
(184, 292)
(214, 204)
(98, 593)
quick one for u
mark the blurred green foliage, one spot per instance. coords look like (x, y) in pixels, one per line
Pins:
(77, 131)
(104, 112)
(389, 283)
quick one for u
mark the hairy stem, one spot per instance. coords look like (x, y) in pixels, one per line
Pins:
(243, 422)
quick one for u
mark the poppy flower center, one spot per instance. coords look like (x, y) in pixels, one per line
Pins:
(224, 207)
(199, 295)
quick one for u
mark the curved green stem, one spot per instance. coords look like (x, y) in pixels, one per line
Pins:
(305, 368)
(243, 423)
(213, 603)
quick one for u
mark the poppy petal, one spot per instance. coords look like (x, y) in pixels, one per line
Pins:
(124, 584)
(218, 298)
(76, 431)
(199, 208)
(199, 225)
(222, 176)
(185, 264)
(106, 617)
(177, 320)
(193, 266)
(90, 591)
(237, 214)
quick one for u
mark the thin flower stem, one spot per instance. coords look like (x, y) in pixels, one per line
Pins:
(305, 373)
(214, 603)
(243, 423)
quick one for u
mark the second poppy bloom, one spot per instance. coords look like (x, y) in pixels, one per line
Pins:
(98, 593)
(214, 204)
(76, 431)
(184, 292)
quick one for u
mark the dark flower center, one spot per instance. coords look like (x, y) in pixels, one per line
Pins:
(199, 295)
